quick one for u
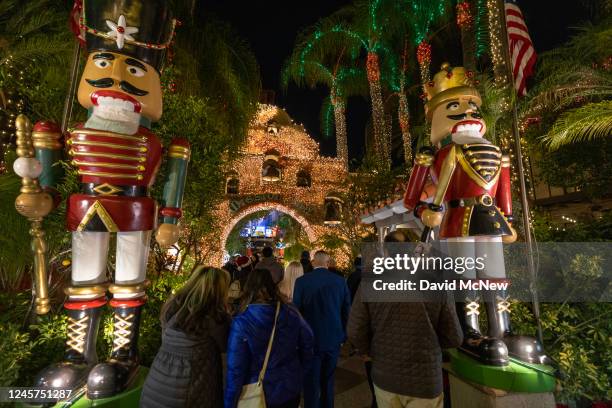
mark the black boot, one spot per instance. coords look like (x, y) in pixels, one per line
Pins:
(80, 357)
(487, 350)
(524, 348)
(116, 375)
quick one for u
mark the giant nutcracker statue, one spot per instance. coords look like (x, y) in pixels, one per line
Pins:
(472, 205)
(117, 158)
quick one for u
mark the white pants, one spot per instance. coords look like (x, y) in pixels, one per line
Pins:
(90, 252)
(386, 399)
(489, 249)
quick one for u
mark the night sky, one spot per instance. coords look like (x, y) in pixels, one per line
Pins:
(271, 27)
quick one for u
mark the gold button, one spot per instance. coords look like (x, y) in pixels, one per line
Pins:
(142, 159)
(141, 168)
(139, 177)
(143, 149)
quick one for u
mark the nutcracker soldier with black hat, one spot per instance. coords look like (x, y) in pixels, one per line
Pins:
(117, 158)
(472, 205)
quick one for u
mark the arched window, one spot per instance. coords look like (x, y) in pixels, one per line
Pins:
(270, 170)
(303, 179)
(333, 210)
(232, 186)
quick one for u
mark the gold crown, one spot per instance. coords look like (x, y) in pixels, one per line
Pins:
(449, 83)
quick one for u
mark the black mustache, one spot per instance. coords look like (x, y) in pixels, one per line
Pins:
(124, 85)
(457, 117)
(129, 88)
(101, 83)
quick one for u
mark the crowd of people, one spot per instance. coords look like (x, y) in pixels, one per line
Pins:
(283, 328)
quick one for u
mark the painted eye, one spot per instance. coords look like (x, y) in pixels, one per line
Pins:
(473, 105)
(453, 106)
(101, 63)
(137, 72)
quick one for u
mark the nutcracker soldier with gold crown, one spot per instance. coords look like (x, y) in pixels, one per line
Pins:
(472, 205)
(117, 158)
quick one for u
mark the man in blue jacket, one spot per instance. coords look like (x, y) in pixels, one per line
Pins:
(324, 301)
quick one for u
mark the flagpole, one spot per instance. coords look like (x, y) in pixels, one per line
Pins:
(521, 175)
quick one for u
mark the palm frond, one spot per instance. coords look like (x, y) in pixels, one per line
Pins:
(588, 122)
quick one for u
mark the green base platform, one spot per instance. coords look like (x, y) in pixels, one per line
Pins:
(127, 399)
(516, 376)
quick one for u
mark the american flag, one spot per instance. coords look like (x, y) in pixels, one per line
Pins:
(521, 48)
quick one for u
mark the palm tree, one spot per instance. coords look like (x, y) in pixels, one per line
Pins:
(311, 66)
(575, 82)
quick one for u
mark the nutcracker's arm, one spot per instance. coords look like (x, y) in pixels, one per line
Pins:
(174, 185)
(432, 216)
(47, 141)
(503, 197)
(418, 177)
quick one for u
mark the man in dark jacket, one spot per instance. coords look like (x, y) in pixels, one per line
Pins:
(268, 262)
(305, 261)
(324, 300)
(405, 342)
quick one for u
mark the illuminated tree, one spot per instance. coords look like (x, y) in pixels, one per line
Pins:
(312, 65)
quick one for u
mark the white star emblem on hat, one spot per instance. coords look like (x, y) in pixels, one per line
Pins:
(120, 32)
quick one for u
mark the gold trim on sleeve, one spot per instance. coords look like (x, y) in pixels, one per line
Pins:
(179, 152)
(47, 140)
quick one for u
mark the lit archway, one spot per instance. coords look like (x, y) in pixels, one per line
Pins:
(265, 206)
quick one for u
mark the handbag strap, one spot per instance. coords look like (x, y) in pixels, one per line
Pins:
(262, 373)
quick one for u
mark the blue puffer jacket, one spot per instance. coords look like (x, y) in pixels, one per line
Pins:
(290, 357)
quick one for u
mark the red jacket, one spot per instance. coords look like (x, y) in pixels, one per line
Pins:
(475, 180)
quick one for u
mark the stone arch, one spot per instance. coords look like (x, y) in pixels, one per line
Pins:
(268, 205)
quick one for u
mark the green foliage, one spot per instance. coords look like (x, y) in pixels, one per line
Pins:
(589, 122)
(575, 83)
(15, 348)
(495, 105)
(568, 166)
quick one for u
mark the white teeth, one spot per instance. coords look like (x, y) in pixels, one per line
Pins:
(468, 127)
(115, 103)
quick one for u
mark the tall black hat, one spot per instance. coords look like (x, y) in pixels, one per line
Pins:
(141, 29)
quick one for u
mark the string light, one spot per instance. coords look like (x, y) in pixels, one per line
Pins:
(496, 41)
(298, 152)
(424, 60)
(464, 15)
(382, 135)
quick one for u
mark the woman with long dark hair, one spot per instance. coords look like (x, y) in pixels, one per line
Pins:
(188, 369)
(249, 338)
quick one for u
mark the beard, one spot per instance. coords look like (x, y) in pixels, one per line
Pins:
(117, 111)
(468, 137)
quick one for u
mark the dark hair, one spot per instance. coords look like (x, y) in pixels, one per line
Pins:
(267, 252)
(305, 255)
(259, 286)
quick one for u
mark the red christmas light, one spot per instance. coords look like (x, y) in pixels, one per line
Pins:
(424, 53)
(464, 15)
(373, 67)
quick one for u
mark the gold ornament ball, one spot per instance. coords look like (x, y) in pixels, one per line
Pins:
(431, 218)
(167, 234)
(34, 205)
(66, 262)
